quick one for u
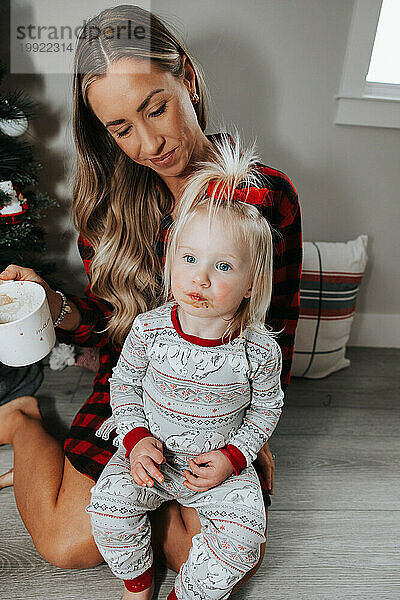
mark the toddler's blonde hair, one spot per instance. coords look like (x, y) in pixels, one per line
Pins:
(229, 169)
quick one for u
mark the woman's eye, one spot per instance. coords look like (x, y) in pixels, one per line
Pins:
(189, 258)
(158, 112)
(121, 134)
(223, 266)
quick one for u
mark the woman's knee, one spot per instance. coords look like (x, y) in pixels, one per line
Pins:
(69, 550)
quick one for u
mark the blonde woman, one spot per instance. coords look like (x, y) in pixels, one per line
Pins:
(139, 122)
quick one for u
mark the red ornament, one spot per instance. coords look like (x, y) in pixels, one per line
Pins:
(12, 213)
(15, 217)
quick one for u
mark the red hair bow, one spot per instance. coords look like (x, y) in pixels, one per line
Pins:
(250, 195)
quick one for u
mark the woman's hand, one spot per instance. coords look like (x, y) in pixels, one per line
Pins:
(267, 464)
(17, 273)
(144, 457)
(207, 471)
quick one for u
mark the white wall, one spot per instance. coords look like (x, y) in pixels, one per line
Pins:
(273, 68)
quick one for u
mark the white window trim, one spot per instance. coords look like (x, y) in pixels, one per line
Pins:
(360, 102)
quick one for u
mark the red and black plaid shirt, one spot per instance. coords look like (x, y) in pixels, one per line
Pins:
(278, 202)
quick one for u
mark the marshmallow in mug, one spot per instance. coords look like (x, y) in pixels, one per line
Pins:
(12, 309)
(26, 329)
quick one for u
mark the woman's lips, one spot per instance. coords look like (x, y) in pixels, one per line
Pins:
(166, 160)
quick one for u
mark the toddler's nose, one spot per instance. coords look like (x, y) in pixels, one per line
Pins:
(201, 278)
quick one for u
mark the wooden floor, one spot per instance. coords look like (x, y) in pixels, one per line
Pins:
(334, 524)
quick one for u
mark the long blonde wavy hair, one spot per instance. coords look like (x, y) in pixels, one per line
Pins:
(228, 169)
(119, 205)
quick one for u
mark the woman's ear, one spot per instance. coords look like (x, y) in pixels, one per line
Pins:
(189, 76)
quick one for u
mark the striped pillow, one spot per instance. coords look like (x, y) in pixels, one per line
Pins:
(331, 276)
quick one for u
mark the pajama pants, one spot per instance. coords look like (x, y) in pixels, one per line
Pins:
(232, 517)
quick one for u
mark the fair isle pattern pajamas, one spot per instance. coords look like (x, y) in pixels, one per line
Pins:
(194, 395)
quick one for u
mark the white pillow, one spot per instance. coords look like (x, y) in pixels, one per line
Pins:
(331, 276)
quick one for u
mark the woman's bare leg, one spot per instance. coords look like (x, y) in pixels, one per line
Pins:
(51, 495)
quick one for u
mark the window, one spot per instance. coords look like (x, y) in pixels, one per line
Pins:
(384, 66)
(370, 87)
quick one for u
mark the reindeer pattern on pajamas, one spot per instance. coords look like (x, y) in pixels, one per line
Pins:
(194, 395)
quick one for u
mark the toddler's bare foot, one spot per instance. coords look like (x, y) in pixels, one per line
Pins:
(7, 479)
(9, 413)
(145, 595)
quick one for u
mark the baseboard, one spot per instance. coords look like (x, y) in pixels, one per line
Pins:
(376, 330)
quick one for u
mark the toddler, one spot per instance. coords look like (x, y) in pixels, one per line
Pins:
(195, 395)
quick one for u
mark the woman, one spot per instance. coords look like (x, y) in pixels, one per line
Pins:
(139, 130)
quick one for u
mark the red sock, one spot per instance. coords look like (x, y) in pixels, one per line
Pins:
(140, 583)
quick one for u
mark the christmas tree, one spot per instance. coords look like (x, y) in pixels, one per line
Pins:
(21, 204)
(22, 208)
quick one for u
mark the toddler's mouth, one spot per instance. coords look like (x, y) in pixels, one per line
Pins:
(197, 300)
(197, 297)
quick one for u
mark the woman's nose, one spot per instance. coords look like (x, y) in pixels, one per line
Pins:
(152, 145)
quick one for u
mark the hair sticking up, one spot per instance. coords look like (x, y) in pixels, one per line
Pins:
(229, 168)
(216, 190)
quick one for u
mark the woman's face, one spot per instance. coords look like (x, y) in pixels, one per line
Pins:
(150, 115)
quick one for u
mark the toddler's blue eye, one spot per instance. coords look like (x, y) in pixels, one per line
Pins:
(190, 259)
(223, 266)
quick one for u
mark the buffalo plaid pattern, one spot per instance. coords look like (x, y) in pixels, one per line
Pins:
(278, 202)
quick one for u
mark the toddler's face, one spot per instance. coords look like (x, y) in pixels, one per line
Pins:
(210, 274)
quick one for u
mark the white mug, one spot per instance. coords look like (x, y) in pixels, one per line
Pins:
(26, 328)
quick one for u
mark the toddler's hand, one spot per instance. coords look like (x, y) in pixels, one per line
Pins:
(215, 468)
(144, 457)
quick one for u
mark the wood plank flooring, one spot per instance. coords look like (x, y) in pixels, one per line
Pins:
(334, 523)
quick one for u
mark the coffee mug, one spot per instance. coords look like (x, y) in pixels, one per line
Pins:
(26, 328)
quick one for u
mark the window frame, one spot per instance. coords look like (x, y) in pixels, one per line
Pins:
(360, 102)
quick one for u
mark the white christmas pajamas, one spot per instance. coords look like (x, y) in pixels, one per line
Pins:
(194, 395)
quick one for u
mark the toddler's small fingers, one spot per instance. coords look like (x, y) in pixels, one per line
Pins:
(137, 479)
(157, 456)
(196, 488)
(199, 471)
(159, 447)
(204, 458)
(198, 482)
(154, 472)
(142, 474)
(151, 468)
(190, 478)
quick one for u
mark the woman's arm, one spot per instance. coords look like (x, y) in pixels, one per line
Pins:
(86, 324)
(283, 313)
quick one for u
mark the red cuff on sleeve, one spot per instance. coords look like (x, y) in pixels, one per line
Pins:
(140, 583)
(172, 595)
(133, 437)
(236, 458)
